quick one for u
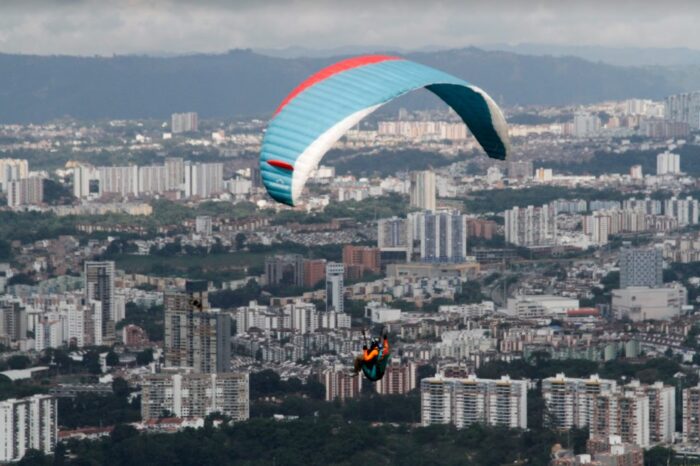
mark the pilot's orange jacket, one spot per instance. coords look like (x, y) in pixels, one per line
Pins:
(370, 355)
(374, 353)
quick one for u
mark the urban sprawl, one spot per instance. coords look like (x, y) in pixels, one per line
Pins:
(142, 261)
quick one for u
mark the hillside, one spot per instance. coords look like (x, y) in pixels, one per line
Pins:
(244, 83)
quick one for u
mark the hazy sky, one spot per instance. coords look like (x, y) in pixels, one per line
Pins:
(104, 27)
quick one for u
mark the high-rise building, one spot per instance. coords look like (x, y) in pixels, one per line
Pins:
(335, 274)
(470, 400)
(598, 226)
(196, 336)
(340, 383)
(646, 206)
(641, 267)
(202, 180)
(691, 415)
(11, 170)
(99, 286)
(395, 239)
(314, 272)
(119, 180)
(570, 401)
(624, 413)
(285, 270)
(436, 403)
(83, 176)
(586, 124)
(27, 191)
(399, 379)
(393, 232)
(184, 122)
(304, 317)
(443, 236)
(202, 225)
(49, 331)
(174, 174)
(187, 395)
(85, 323)
(636, 172)
(684, 210)
(531, 226)
(27, 423)
(520, 170)
(359, 260)
(544, 175)
(13, 320)
(423, 190)
(603, 205)
(662, 411)
(668, 164)
(684, 108)
(152, 179)
(480, 228)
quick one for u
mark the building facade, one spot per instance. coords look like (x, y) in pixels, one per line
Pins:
(668, 163)
(335, 289)
(531, 226)
(184, 122)
(570, 401)
(465, 401)
(27, 423)
(423, 193)
(443, 236)
(187, 395)
(196, 336)
(99, 286)
(641, 267)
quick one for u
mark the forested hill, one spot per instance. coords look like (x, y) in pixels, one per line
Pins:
(244, 83)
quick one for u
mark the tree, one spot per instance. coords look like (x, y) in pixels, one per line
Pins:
(425, 371)
(240, 241)
(5, 250)
(59, 454)
(659, 455)
(469, 294)
(315, 389)
(34, 458)
(123, 432)
(18, 362)
(21, 279)
(112, 359)
(120, 387)
(144, 357)
(56, 194)
(91, 360)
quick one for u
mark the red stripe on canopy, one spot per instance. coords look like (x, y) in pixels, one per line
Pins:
(334, 69)
(280, 164)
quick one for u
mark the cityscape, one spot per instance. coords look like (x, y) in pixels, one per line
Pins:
(175, 291)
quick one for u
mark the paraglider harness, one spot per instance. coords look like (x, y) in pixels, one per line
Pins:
(374, 370)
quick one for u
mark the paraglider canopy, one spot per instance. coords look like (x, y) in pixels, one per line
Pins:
(322, 108)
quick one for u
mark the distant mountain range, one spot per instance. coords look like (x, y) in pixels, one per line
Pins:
(245, 83)
(622, 56)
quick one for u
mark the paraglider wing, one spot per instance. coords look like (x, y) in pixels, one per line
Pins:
(326, 105)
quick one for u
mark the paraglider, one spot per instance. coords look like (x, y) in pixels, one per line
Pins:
(373, 360)
(322, 108)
